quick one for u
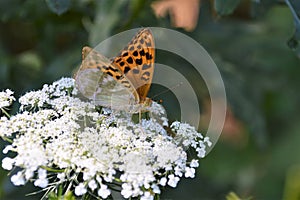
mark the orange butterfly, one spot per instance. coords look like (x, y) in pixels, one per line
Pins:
(122, 82)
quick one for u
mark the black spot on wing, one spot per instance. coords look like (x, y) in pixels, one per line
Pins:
(109, 73)
(126, 69)
(135, 53)
(122, 64)
(139, 61)
(118, 60)
(129, 60)
(142, 52)
(148, 56)
(112, 69)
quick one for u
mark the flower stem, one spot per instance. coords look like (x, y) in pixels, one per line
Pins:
(7, 139)
(6, 113)
(52, 170)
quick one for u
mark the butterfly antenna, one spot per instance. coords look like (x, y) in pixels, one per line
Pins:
(167, 90)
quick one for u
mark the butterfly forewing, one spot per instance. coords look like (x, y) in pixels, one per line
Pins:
(136, 61)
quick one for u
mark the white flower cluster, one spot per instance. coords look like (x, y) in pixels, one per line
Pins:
(186, 135)
(6, 98)
(61, 140)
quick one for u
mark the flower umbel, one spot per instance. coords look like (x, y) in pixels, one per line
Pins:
(62, 141)
(6, 99)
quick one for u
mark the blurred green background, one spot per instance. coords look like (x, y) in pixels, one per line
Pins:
(254, 44)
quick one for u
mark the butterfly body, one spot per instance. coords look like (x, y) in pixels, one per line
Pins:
(121, 82)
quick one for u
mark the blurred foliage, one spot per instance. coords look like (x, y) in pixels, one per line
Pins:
(233, 196)
(226, 7)
(58, 6)
(294, 41)
(41, 41)
(68, 196)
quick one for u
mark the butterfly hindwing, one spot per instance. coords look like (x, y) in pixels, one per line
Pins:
(97, 79)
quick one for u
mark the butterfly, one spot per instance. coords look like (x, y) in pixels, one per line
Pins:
(122, 82)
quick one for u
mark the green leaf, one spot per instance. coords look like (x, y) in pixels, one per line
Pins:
(232, 196)
(261, 8)
(292, 183)
(30, 60)
(58, 6)
(225, 7)
(68, 196)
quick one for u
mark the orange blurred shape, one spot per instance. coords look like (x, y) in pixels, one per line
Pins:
(183, 13)
(234, 131)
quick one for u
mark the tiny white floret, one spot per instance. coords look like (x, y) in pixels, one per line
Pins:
(80, 189)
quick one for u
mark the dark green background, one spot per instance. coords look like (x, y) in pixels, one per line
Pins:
(41, 41)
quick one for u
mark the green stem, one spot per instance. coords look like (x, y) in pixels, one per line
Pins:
(6, 113)
(7, 139)
(53, 170)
